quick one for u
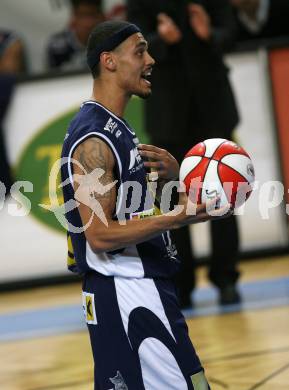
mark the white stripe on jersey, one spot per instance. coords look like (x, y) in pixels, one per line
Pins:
(126, 264)
(110, 113)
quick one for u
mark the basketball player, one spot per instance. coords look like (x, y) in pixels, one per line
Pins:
(116, 239)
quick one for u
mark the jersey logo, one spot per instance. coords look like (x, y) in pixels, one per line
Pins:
(134, 158)
(111, 126)
(89, 308)
(118, 382)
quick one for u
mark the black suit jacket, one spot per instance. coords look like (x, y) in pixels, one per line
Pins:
(276, 25)
(192, 97)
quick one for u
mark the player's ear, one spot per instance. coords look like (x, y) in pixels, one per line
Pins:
(107, 60)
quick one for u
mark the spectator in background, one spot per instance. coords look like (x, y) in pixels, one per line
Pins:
(12, 62)
(260, 19)
(192, 100)
(66, 49)
(117, 12)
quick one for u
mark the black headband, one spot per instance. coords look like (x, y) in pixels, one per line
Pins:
(93, 56)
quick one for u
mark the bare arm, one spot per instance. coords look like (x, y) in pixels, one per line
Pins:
(95, 156)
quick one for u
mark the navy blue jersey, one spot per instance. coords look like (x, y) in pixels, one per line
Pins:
(156, 257)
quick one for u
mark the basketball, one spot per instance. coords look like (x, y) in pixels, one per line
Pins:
(218, 167)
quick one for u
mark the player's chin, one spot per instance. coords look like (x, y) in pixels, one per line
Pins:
(144, 93)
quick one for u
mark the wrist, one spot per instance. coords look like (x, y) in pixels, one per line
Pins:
(177, 216)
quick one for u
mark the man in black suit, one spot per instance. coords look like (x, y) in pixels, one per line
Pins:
(192, 100)
(261, 19)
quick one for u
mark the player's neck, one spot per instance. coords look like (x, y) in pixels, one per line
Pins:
(111, 98)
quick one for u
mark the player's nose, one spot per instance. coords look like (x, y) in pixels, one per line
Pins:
(149, 60)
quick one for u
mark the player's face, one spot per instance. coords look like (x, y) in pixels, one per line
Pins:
(134, 66)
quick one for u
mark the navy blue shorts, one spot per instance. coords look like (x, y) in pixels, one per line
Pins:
(139, 336)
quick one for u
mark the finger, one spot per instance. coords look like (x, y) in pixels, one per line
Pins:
(208, 207)
(161, 173)
(151, 148)
(152, 155)
(222, 212)
(154, 164)
(157, 174)
(212, 204)
(201, 208)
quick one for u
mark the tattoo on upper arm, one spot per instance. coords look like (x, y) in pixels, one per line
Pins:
(91, 155)
(97, 163)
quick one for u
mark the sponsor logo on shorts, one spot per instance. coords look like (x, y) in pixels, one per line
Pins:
(89, 308)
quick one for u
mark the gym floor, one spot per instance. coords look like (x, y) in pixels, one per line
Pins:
(44, 343)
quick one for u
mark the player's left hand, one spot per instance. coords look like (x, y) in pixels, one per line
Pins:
(200, 21)
(160, 161)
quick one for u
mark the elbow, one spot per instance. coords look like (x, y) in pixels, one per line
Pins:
(99, 246)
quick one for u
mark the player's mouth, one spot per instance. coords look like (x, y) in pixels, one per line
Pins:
(145, 76)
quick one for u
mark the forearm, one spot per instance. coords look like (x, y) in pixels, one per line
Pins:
(120, 235)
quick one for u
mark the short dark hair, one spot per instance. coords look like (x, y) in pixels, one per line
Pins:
(99, 34)
(76, 3)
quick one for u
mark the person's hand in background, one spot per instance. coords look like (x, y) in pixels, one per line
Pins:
(168, 30)
(12, 58)
(200, 21)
